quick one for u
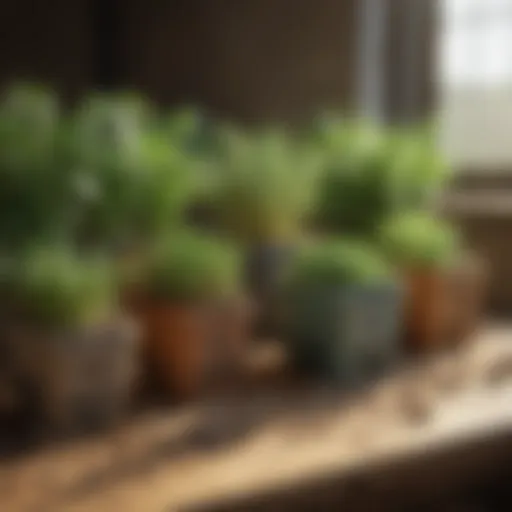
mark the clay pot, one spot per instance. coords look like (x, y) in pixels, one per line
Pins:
(468, 288)
(81, 379)
(194, 346)
(428, 309)
(179, 342)
(444, 306)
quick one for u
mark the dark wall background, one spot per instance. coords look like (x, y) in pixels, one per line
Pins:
(47, 41)
(251, 59)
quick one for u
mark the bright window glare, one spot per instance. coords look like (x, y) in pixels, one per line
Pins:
(476, 81)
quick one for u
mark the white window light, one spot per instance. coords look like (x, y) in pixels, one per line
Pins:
(475, 82)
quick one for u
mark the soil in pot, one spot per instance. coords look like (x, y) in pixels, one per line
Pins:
(349, 335)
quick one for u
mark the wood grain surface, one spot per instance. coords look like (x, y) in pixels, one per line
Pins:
(267, 440)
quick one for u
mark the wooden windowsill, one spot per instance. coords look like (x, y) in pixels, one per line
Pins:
(278, 440)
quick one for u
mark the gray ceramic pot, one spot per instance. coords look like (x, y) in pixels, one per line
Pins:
(345, 334)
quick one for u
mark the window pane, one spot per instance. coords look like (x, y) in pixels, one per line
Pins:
(476, 81)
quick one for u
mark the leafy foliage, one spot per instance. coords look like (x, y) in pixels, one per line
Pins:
(373, 172)
(419, 239)
(357, 187)
(338, 263)
(32, 175)
(56, 287)
(134, 182)
(267, 184)
(191, 266)
(419, 168)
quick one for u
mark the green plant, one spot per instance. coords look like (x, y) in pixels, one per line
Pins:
(55, 287)
(266, 184)
(373, 172)
(184, 129)
(133, 183)
(357, 188)
(343, 311)
(191, 266)
(105, 144)
(339, 263)
(33, 181)
(167, 186)
(419, 240)
(419, 168)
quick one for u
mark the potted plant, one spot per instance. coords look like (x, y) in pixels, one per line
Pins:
(33, 183)
(188, 280)
(418, 167)
(357, 185)
(444, 283)
(469, 280)
(133, 182)
(371, 173)
(344, 314)
(265, 192)
(66, 339)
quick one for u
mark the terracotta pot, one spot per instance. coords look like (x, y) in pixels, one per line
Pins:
(179, 342)
(468, 287)
(444, 306)
(82, 378)
(428, 309)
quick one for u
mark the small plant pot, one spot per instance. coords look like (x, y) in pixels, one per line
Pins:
(347, 335)
(468, 287)
(444, 306)
(178, 341)
(428, 310)
(195, 346)
(80, 379)
(266, 266)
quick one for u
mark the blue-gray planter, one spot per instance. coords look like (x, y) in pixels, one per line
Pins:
(347, 335)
